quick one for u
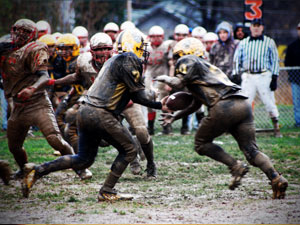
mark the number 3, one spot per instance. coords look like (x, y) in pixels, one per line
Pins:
(255, 7)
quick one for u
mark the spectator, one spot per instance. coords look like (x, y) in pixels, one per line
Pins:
(240, 31)
(257, 68)
(292, 59)
(221, 53)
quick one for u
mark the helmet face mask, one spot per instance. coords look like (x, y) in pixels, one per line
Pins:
(101, 48)
(23, 32)
(68, 46)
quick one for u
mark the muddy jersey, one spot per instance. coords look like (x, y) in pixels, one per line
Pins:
(85, 71)
(120, 76)
(19, 67)
(158, 61)
(205, 81)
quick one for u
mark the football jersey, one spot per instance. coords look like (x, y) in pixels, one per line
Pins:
(120, 76)
(19, 67)
(204, 80)
(158, 61)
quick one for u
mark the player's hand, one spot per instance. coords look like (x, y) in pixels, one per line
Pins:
(164, 106)
(166, 118)
(26, 93)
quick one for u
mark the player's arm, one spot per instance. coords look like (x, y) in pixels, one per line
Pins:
(39, 84)
(168, 118)
(140, 97)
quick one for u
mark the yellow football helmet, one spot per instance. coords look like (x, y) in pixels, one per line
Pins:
(68, 46)
(48, 39)
(188, 46)
(132, 40)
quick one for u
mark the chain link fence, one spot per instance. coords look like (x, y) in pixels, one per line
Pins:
(284, 101)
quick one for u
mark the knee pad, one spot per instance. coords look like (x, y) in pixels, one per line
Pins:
(59, 144)
(142, 134)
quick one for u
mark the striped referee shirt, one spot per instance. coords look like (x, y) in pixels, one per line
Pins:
(256, 55)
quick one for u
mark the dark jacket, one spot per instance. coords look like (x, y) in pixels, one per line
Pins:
(292, 58)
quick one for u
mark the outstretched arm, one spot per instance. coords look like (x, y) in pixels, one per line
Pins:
(168, 118)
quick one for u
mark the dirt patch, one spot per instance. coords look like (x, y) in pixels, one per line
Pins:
(62, 198)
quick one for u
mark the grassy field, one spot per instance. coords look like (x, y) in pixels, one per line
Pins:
(189, 188)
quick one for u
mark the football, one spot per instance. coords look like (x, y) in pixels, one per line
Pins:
(179, 100)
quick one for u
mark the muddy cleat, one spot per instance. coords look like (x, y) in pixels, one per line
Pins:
(151, 171)
(29, 178)
(279, 186)
(113, 196)
(5, 171)
(238, 171)
(135, 167)
(84, 174)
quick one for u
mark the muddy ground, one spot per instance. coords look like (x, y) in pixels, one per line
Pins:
(62, 198)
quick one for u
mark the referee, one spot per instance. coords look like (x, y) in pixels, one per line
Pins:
(256, 68)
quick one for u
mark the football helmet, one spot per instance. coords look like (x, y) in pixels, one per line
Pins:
(132, 40)
(68, 46)
(82, 34)
(156, 35)
(80, 31)
(199, 32)
(57, 35)
(181, 31)
(23, 32)
(111, 29)
(210, 36)
(43, 28)
(50, 41)
(188, 46)
(111, 26)
(127, 25)
(101, 48)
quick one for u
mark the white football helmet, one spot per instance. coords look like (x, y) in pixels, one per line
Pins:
(43, 28)
(101, 48)
(156, 35)
(23, 32)
(181, 29)
(127, 25)
(210, 36)
(80, 31)
(57, 35)
(199, 32)
(111, 26)
(156, 30)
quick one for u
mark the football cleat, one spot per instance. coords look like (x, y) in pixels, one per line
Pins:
(279, 186)
(29, 178)
(238, 171)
